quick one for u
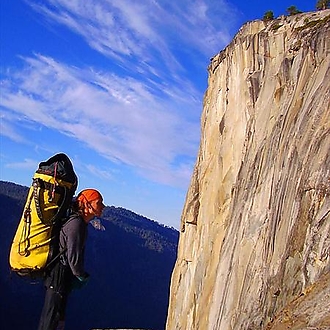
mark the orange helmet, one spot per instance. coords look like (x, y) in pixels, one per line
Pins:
(89, 195)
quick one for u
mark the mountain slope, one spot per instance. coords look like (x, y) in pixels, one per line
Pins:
(130, 265)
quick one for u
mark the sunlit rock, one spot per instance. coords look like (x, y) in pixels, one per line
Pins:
(255, 233)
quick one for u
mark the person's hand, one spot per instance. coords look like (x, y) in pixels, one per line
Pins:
(79, 282)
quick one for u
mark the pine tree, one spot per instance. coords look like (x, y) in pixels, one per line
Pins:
(322, 4)
(292, 10)
(269, 15)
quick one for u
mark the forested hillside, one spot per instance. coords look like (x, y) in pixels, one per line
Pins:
(130, 263)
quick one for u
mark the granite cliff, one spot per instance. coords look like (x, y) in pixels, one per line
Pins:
(254, 249)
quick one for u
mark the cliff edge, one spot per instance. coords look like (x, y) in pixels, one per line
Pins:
(254, 249)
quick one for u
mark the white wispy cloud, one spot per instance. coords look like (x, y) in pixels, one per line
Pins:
(101, 173)
(27, 164)
(143, 34)
(145, 114)
(8, 129)
(118, 121)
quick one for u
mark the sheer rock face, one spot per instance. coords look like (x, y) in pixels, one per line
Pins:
(254, 250)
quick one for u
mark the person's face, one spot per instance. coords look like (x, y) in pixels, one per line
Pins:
(93, 209)
(97, 206)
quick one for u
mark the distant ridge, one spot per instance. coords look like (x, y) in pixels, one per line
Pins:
(130, 265)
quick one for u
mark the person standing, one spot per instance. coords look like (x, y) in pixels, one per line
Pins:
(69, 273)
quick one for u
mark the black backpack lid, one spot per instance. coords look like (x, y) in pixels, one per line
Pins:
(59, 166)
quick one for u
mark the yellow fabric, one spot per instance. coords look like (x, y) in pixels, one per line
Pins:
(31, 245)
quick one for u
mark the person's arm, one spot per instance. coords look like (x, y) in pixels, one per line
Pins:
(76, 236)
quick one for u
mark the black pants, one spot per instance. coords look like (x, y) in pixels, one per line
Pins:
(58, 287)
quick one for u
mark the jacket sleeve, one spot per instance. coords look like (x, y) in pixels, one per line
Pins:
(76, 232)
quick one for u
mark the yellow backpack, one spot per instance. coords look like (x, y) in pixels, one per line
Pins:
(36, 242)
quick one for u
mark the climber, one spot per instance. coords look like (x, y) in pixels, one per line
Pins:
(68, 273)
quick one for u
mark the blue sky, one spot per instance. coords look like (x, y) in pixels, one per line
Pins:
(118, 86)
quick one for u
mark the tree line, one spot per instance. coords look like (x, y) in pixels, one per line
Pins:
(293, 10)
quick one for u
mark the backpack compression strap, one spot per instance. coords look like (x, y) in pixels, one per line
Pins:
(39, 183)
(24, 242)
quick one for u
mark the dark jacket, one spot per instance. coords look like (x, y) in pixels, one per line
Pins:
(73, 237)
